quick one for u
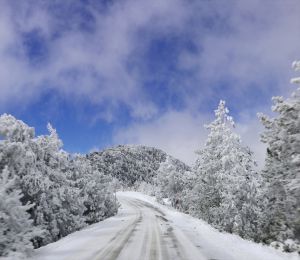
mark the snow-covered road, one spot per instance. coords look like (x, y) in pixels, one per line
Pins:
(144, 229)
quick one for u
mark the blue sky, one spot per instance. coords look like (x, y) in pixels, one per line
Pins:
(145, 72)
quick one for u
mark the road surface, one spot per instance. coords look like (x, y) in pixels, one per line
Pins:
(145, 230)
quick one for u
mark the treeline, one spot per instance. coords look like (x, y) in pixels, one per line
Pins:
(225, 189)
(45, 193)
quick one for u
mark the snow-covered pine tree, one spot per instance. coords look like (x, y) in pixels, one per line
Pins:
(16, 227)
(168, 182)
(225, 193)
(282, 169)
(171, 182)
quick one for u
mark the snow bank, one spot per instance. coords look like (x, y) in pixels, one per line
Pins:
(214, 243)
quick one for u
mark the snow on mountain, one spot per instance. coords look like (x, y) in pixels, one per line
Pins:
(131, 163)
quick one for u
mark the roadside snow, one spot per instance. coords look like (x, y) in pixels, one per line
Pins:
(215, 244)
(139, 231)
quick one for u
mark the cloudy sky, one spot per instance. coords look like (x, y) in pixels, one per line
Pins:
(145, 72)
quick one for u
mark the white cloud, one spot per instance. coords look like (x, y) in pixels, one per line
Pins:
(178, 133)
(182, 133)
(248, 42)
(82, 65)
(250, 132)
(248, 49)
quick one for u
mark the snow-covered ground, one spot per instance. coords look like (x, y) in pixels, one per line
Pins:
(144, 229)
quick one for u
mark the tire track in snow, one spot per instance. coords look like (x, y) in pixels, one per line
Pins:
(140, 231)
(147, 240)
(160, 241)
(143, 230)
(176, 244)
(112, 250)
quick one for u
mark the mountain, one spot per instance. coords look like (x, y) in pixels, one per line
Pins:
(131, 163)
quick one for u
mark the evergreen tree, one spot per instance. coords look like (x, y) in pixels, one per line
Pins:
(282, 169)
(171, 181)
(16, 227)
(226, 189)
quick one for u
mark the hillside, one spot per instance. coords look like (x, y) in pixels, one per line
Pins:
(131, 163)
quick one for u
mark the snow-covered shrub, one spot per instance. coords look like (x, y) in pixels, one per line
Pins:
(58, 205)
(16, 227)
(146, 188)
(15, 130)
(97, 190)
(66, 196)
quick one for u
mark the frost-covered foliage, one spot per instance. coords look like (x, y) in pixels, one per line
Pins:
(173, 181)
(97, 190)
(65, 192)
(146, 188)
(16, 227)
(225, 193)
(225, 189)
(222, 188)
(130, 164)
(59, 206)
(281, 174)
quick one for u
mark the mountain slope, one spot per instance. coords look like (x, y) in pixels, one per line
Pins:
(131, 163)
